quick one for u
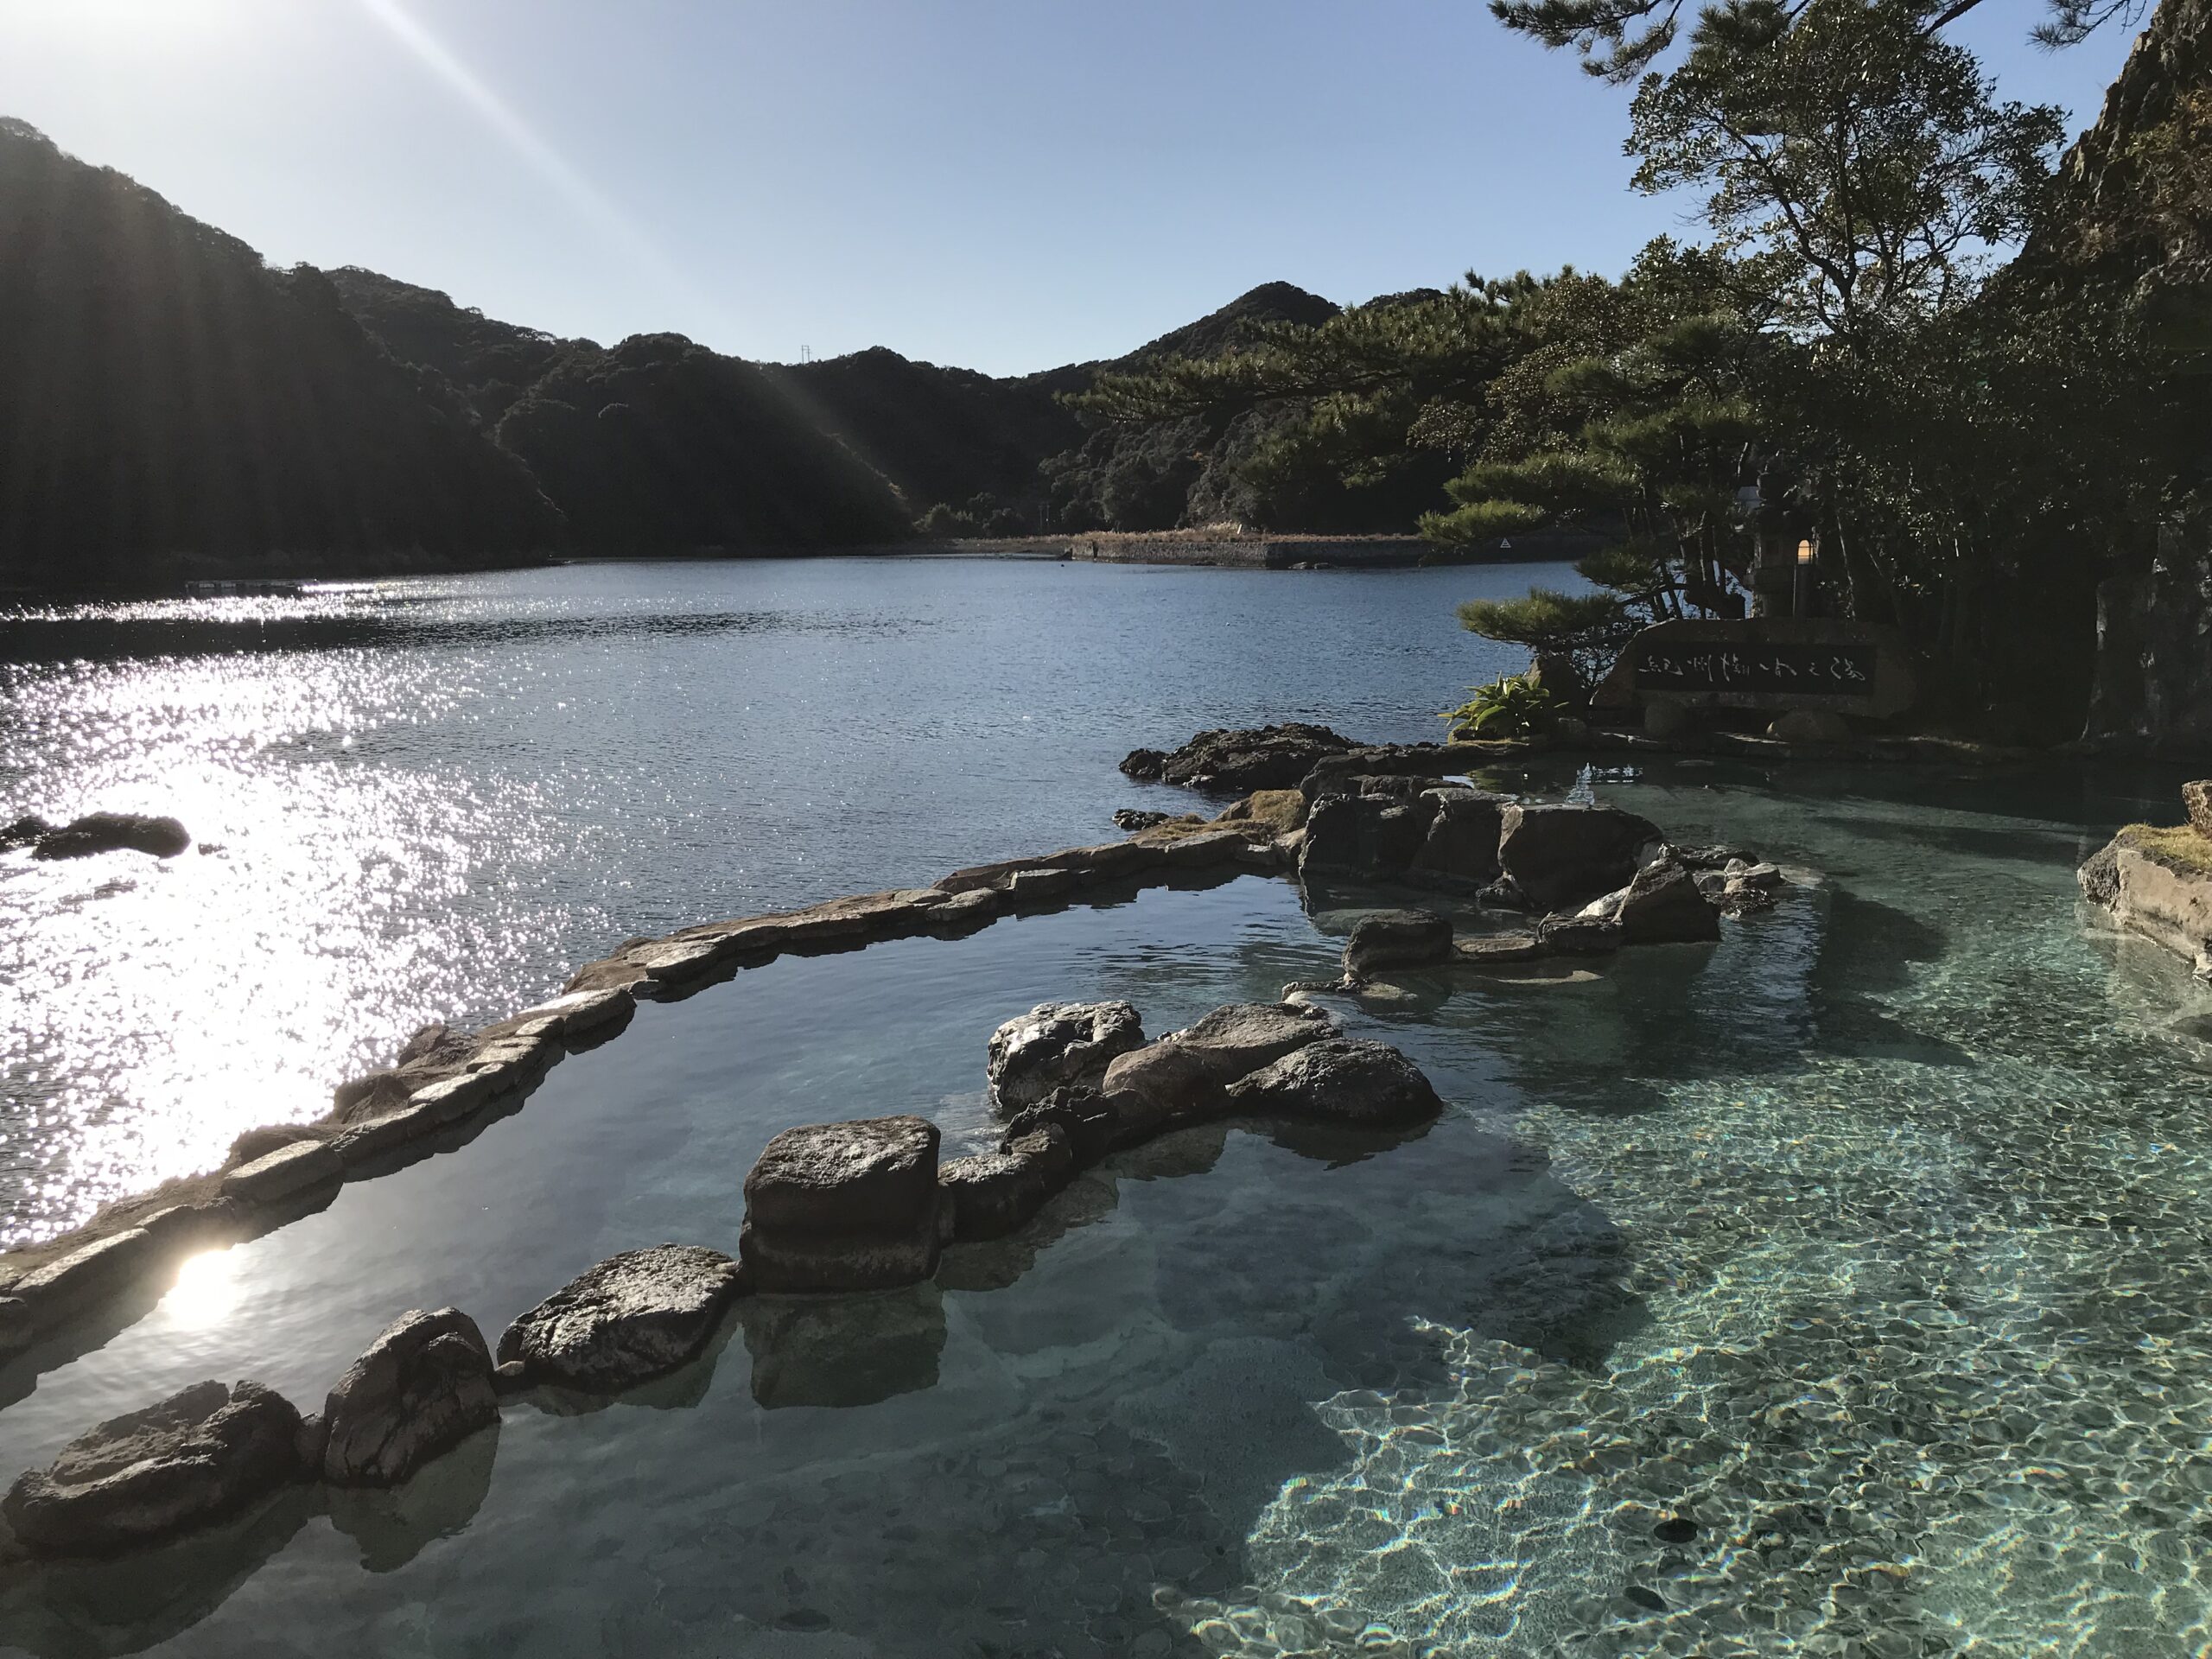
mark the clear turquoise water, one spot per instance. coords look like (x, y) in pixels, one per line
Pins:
(1869, 1243)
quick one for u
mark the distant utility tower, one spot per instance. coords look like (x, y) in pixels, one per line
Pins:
(806, 353)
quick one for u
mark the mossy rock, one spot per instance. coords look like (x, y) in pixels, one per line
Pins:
(2178, 846)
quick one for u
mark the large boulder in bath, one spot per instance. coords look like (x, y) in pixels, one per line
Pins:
(197, 1457)
(1267, 757)
(1560, 855)
(1340, 1081)
(1397, 938)
(1374, 833)
(1185, 1076)
(108, 832)
(993, 1194)
(1059, 1046)
(424, 1386)
(1665, 906)
(1459, 851)
(634, 1317)
(843, 1206)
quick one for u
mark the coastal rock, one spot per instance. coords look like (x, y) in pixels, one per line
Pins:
(1559, 855)
(1662, 906)
(279, 1174)
(634, 1317)
(1459, 850)
(2197, 801)
(1570, 935)
(1184, 1076)
(1811, 726)
(993, 1194)
(108, 832)
(1081, 1117)
(1498, 949)
(1280, 811)
(1133, 819)
(1373, 835)
(1341, 1081)
(85, 1274)
(1267, 757)
(23, 831)
(422, 1387)
(1058, 1043)
(202, 1454)
(1397, 938)
(843, 1206)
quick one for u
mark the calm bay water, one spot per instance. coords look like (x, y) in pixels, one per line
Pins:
(434, 799)
(1839, 1289)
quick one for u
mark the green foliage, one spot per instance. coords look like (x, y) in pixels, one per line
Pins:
(1868, 158)
(1479, 523)
(1514, 706)
(1588, 629)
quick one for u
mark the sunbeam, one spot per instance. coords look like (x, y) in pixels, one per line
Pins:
(556, 169)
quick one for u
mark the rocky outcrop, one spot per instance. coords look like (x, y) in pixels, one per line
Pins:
(2157, 883)
(1270, 757)
(1280, 810)
(1663, 905)
(422, 1387)
(1558, 855)
(1057, 1046)
(1397, 938)
(843, 1206)
(1340, 1081)
(1185, 1076)
(993, 1194)
(634, 1318)
(2153, 688)
(108, 832)
(200, 1456)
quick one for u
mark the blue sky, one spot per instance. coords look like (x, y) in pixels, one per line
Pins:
(1004, 184)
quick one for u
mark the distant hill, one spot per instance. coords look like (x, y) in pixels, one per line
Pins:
(660, 444)
(177, 407)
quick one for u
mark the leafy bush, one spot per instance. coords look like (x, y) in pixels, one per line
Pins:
(1512, 706)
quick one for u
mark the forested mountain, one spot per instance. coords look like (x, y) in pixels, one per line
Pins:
(175, 406)
(179, 408)
(661, 444)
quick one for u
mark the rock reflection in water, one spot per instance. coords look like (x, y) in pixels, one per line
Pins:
(392, 1524)
(855, 1350)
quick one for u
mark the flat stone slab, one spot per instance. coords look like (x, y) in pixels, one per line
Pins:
(1488, 949)
(197, 1457)
(86, 1272)
(634, 1318)
(295, 1169)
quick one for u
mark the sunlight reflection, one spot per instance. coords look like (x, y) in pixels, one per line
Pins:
(206, 1289)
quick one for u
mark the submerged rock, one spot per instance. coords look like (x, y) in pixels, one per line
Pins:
(1397, 938)
(1056, 1045)
(1267, 757)
(108, 832)
(1559, 855)
(843, 1206)
(423, 1386)
(1341, 1081)
(197, 1457)
(634, 1317)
